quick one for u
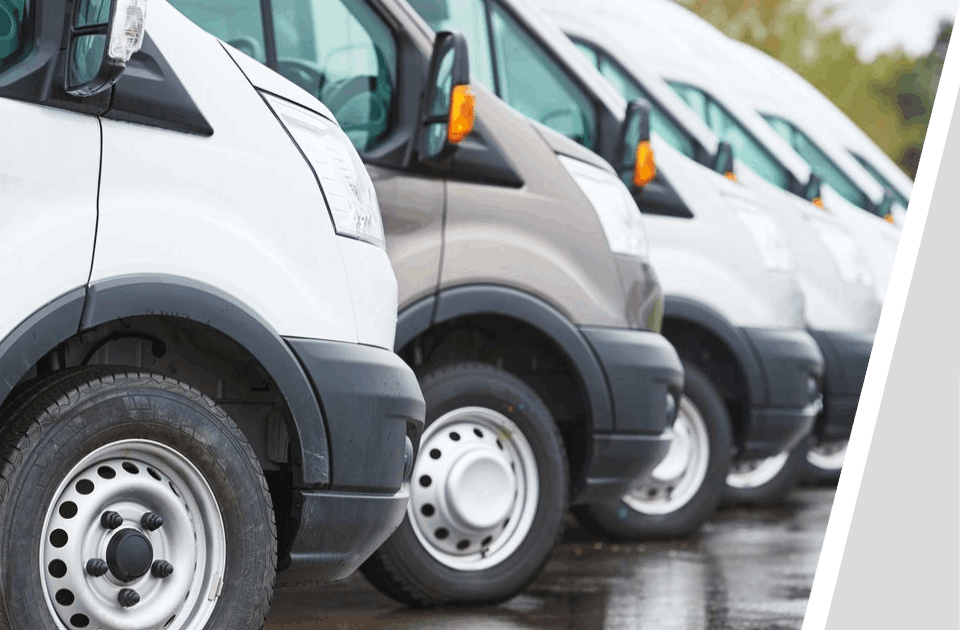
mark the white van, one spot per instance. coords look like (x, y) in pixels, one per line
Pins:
(733, 306)
(196, 370)
(842, 309)
(721, 74)
(838, 128)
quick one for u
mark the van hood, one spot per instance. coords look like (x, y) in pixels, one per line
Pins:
(263, 78)
(562, 145)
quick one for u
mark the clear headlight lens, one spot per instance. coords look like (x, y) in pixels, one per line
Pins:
(126, 34)
(846, 254)
(768, 238)
(615, 207)
(343, 178)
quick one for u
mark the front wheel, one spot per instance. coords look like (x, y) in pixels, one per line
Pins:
(677, 496)
(487, 496)
(824, 462)
(765, 480)
(145, 502)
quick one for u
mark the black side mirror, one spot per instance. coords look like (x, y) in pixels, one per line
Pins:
(723, 163)
(102, 37)
(447, 105)
(813, 190)
(633, 148)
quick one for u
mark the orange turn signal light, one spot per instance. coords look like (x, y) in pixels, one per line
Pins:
(888, 218)
(460, 122)
(646, 167)
(818, 202)
(731, 176)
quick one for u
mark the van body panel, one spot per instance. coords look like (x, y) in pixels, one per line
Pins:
(543, 238)
(412, 209)
(49, 214)
(272, 264)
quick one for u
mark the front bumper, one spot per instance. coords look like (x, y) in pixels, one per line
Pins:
(847, 355)
(645, 379)
(374, 413)
(792, 366)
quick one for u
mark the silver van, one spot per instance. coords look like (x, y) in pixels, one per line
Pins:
(528, 307)
(733, 308)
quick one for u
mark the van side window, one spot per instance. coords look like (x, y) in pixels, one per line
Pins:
(237, 22)
(660, 122)
(344, 54)
(470, 18)
(745, 146)
(533, 84)
(883, 181)
(13, 31)
(819, 163)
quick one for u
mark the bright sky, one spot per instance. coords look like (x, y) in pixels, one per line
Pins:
(877, 26)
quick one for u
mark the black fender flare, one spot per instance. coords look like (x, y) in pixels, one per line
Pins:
(490, 299)
(678, 308)
(135, 295)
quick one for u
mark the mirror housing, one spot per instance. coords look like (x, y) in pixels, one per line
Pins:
(447, 108)
(102, 37)
(812, 191)
(634, 149)
(723, 163)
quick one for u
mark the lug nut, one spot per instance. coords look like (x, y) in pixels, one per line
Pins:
(128, 597)
(151, 521)
(161, 569)
(111, 520)
(97, 567)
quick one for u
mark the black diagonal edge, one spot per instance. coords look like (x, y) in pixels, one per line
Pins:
(849, 484)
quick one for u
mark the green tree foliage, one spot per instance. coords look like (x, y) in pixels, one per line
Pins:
(890, 98)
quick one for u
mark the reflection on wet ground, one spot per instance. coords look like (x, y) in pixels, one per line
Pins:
(749, 569)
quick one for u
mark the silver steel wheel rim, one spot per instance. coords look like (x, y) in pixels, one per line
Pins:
(132, 478)
(755, 473)
(828, 456)
(675, 480)
(475, 489)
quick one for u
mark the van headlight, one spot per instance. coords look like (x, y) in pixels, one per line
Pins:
(846, 254)
(614, 205)
(768, 238)
(343, 179)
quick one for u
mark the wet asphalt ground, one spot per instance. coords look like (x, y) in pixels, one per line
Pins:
(751, 568)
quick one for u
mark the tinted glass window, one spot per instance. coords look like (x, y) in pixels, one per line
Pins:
(470, 19)
(13, 31)
(659, 121)
(883, 181)
(237, 22)
(342, 52)
(819, 163)
(745, 146)
(533, 84)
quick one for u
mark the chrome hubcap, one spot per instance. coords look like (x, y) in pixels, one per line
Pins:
(475, 489)
(828, 456)
(133, 540)
(675, 480)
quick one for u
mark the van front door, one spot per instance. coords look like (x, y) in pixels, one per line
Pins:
(49, 167)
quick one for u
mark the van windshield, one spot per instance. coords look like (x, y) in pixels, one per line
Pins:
(13, 27)
(818, 161)
(728, 128)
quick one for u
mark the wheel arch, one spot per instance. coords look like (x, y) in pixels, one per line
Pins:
(176, 297)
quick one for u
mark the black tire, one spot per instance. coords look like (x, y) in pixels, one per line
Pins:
(618, 520)
(53, 424)
(405, 571)
(774, 490)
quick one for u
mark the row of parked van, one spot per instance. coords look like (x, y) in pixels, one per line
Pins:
(315, 286)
